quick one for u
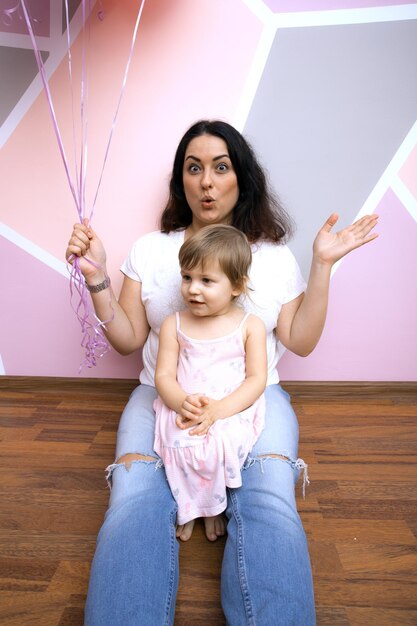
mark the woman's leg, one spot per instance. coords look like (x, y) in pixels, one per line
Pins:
(134, 575)
(266, 574)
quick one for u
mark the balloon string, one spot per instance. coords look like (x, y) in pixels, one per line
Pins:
(43, 76)
(74, 137)
(84, 117)
(119, 102)
(93, 341)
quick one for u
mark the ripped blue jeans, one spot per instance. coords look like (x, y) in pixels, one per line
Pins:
(266, 576)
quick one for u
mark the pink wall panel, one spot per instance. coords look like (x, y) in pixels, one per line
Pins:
(39, 334)
(192, 60)
(371, 332)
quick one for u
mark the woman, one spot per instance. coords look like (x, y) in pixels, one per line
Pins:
(266, 574)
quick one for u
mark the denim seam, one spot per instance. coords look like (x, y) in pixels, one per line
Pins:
(170, 595)
(241, 563)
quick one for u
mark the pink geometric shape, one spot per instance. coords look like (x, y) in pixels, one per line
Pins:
(371, 330)
(295, 6)
(12, 18)
(188, 63)
(408, 172)
(39, 334)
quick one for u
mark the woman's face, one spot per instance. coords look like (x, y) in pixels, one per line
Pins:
(210, 182)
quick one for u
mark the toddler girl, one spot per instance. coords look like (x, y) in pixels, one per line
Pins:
(210, 375)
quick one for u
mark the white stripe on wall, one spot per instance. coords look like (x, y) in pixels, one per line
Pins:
(260, 10)
(387, 179)
(254, 76)
(58, 48)
(346, 16)
(33, 249)
(405, 196)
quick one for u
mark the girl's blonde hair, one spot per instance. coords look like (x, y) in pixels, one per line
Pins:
(226, 244)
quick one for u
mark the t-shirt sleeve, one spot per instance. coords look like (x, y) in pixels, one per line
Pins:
(133, 265)
(293, 284)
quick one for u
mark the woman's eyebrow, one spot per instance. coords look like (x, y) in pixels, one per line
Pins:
(194, 158)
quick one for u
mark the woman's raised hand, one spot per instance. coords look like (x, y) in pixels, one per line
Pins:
(329, 247)
(85, 244)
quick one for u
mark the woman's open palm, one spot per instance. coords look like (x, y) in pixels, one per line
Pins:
(330, 246)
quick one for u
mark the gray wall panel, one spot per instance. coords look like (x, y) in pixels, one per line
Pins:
(333, 106)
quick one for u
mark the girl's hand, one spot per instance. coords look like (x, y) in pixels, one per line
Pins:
(208, 414)
(329, 247)
(202, 413)
(85, 244)
(192, 405)
(190, 410)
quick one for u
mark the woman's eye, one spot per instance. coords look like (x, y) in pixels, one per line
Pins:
(193, 169)
(222, 167)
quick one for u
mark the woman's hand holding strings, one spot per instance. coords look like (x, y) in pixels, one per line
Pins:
(85, 244)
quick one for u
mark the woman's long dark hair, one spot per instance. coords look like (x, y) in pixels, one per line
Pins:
(257, 212)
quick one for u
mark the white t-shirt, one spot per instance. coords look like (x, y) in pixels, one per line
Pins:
(275, 279)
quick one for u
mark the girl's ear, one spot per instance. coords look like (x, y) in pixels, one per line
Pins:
(241, 287)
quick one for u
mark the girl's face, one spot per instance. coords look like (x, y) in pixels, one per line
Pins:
(210, 182)
(206, 290)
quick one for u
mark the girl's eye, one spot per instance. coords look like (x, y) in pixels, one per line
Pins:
(186, 278)
(206, 281)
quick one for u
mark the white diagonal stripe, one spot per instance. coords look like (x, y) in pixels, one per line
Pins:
(405, 196)
(391, 170)
(386, 179)
(254, 76)
(59, 49)
(346, 16)
(14, 40)
(260, 10)
(33, 249)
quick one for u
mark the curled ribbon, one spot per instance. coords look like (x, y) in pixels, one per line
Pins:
(94, 342)
(9, 15)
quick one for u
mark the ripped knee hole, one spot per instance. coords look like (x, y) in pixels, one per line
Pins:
(127, 459)
(273, 456)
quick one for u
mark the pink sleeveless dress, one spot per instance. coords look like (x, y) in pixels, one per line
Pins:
(200, 467)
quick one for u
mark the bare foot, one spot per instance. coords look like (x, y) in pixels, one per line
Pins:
(184, 531)
(215, 527)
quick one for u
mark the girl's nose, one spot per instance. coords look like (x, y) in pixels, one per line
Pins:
(194, 288)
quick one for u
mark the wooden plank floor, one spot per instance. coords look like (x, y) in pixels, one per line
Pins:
(360, 513)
